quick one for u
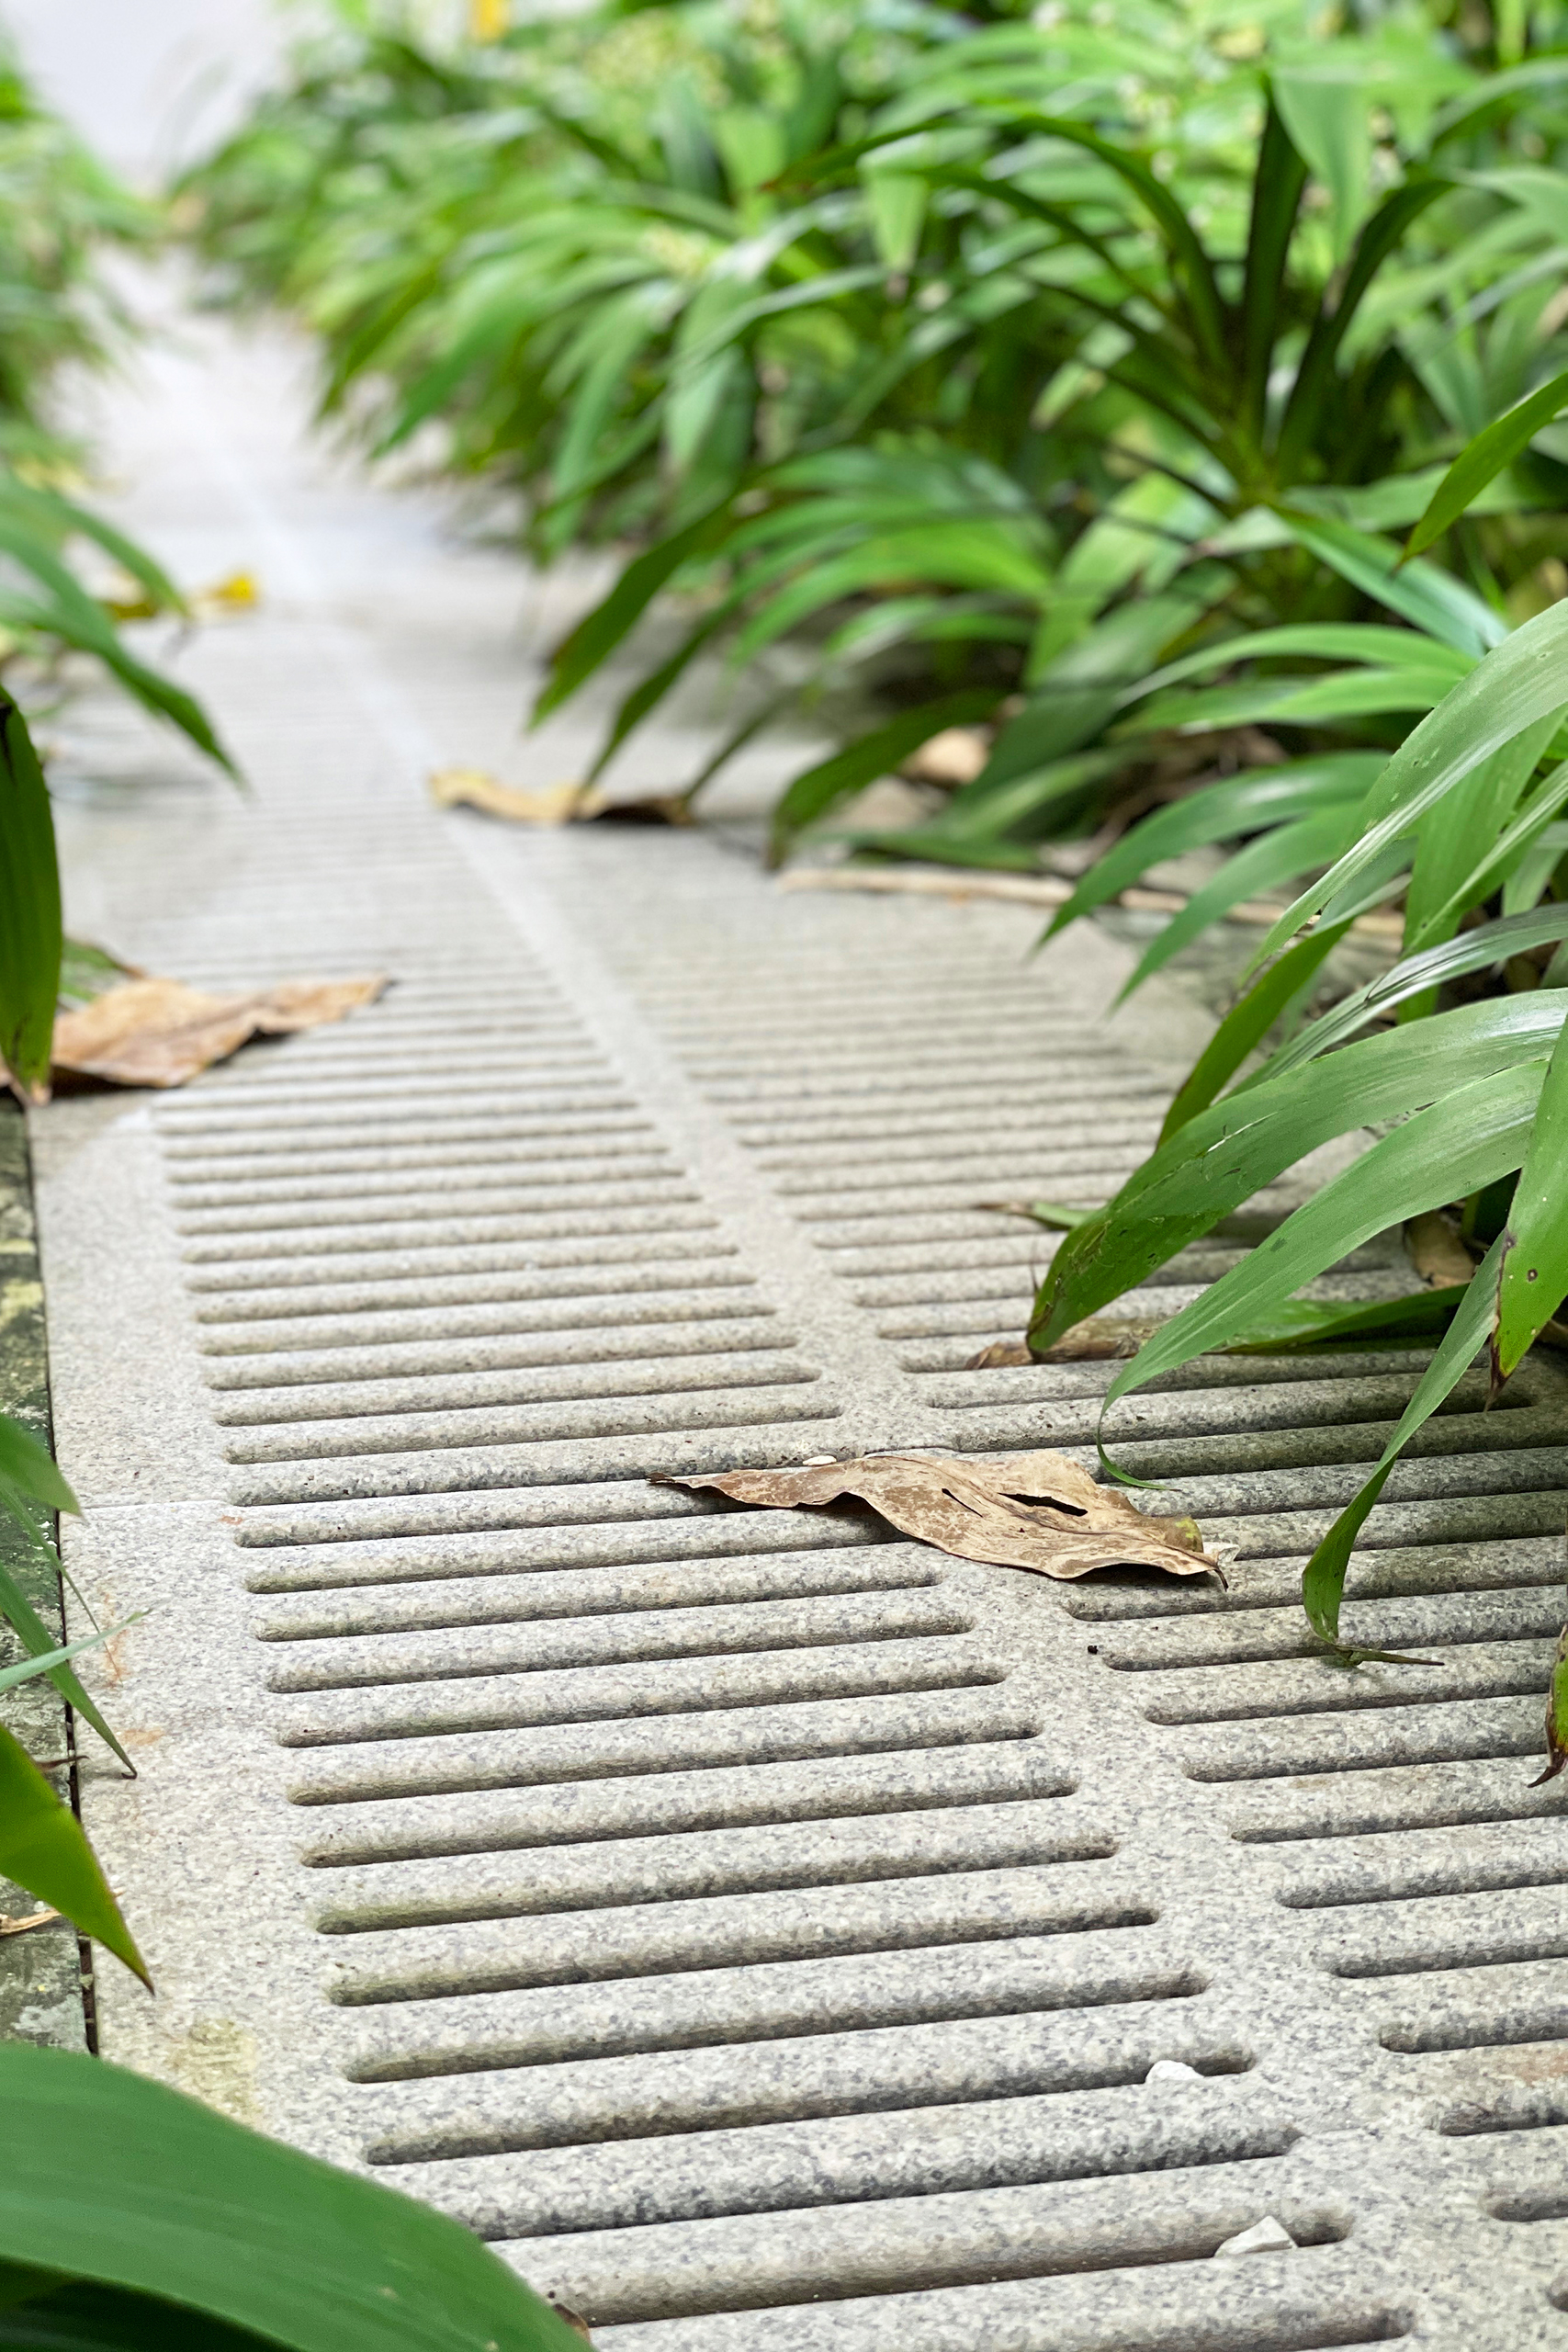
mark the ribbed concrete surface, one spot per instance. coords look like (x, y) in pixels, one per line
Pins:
(762, 1930)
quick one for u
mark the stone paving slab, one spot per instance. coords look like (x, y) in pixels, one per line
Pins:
(763, 1931)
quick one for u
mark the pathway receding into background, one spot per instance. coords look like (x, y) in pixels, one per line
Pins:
(762, 1930)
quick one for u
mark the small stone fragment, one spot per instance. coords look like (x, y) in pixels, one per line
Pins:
(1267, 2237)
(1171, 2070)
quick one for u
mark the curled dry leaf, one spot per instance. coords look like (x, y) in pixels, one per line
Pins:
(34, 1919)
(558, 804)
(954, 755)
(160, 1033)
(1437, 1250)
(1012, 1510)
(1099, 1338)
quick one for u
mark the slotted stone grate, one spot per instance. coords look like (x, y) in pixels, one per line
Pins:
(762, 1930)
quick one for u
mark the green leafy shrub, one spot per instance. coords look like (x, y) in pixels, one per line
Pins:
(57, 206)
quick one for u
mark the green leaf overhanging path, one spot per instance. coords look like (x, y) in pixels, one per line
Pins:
(1533, 1280)
(44, 1848)
(130, 2184)
(32, 1484)
(31, 936)
(1519, 683)
(1323, 1579)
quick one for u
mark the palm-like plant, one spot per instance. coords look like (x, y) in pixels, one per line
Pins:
(1215, 373)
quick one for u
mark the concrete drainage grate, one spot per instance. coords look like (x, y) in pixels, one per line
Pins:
(764, 1932)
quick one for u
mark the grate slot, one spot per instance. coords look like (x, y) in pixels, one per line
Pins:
(870, 1916)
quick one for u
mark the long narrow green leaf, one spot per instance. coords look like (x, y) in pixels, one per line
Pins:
(1248, 1024)
(1243, 802)
(1429, 599)
(1533, 1282)
(1476, 1134)
(1472, 951)
(820, 790)
(1225, 1154)
(1485, 457)
(134, 2186)
(31, 936)
(1519, 682)
(595, 637)
(1323, 1579)
(1277, 188)
(43, 1848)
(1377, 240)
(1266, 863)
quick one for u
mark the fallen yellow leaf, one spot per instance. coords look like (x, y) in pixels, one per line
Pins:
(558, 804)
(475, 788)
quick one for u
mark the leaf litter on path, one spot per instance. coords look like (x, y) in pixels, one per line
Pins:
(558, 804)
(1039, 1512)
(148, 1032)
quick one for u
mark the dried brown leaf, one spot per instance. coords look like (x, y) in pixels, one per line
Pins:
(1099, 1338)
(20, 1926)
(475, 788)
(1437, 1251)
(558, 804)
(160, 1033)
(1016, 1511)
(956, 755)
(1103, 1338)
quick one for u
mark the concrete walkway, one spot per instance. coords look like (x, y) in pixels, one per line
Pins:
(482, 1781)
(763, 1931)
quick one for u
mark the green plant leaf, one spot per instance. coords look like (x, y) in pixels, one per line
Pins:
(1472, 951)
(1474, 1135)
(1429, 598)
(30, 1485)
(1323, 1579)
(595, 637)
(1326, 111)
(43, 1848)
(1266, 863)
(30, 1669)
(1337, 315)
(1519, 683)
(1225, 1154)
(1533, 1282)
(1243, 802)
(1249, 1023)
(1324, 1323)
(239, 2228)
(28, 1466)
(820, 790)
(1277, 188)
(31, 936)
(1556, 1713)
(1481, 460)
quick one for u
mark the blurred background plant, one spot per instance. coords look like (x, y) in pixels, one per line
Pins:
(59, 210)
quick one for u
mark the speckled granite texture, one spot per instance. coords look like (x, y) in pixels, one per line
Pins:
(41, 1969)
(762, 1930)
